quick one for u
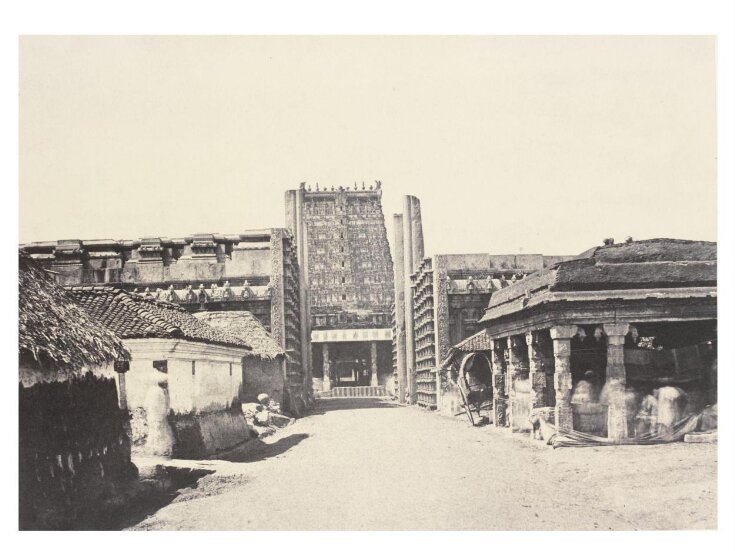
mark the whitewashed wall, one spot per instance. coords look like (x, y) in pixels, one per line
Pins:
(212, 385)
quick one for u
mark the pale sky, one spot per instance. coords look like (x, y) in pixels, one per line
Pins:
(513, 144)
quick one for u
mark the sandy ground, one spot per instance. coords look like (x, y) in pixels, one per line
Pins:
(358, 464)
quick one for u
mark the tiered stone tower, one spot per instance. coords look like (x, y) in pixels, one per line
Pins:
(347, 275)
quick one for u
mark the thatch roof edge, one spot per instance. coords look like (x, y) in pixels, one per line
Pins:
(54, 333)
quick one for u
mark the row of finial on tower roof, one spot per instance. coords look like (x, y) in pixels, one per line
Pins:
(378, 184)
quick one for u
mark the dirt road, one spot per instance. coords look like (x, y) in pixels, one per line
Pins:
(365, 464)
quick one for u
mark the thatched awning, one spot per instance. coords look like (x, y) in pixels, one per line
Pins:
(247, 327)
(54, 333)
(479, 342)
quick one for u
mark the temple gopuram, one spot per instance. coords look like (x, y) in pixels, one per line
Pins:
(255, 271)
(450, 293)
(347, 274)
(440, 300)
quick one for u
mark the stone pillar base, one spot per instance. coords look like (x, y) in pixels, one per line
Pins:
(563, 418)
(500, 418)
(617, 423)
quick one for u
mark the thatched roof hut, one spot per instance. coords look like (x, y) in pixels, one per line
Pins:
(56, 337)
(246, 326)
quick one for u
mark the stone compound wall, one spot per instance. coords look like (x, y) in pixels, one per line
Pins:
(204, 258)
(263, 376)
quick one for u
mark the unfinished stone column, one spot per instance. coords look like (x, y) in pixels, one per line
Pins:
(400, 305)
(417, 233)
(517, 378)
(536, 368)
(562, 338)
(374, 363)
(412, 247)
(617, 422)
(440, 284)
(295, 223)
(500, 398)
(327, 379)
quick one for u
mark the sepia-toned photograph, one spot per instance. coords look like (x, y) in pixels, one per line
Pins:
(368, 283)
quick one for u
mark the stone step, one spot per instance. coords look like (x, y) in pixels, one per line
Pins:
(353, 392)
(701, 437)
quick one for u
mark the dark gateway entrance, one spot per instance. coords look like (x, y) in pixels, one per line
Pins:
(346, 364)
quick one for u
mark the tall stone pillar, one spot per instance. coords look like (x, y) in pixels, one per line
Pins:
(417, 233)
(295, 223)
(408, 300)
(399, 309)
(413, 253)
(536, 368)
(517, 376)
(562, 338)
(327, 377)
(500, 398)
(373, 364)
(617, 422)
(440, 284)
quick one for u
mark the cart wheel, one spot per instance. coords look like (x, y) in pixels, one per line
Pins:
(467, 408)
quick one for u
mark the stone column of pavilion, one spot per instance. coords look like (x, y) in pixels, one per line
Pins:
(517, 371)
(617, 422)
(562, 339)
(500, 398)
(537, 369)
(327, 380)
(399, 309)
(373, 364)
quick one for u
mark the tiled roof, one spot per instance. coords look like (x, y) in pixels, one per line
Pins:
(480, 341)
(130, 316)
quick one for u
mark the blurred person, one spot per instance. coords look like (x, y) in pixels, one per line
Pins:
(671, 402)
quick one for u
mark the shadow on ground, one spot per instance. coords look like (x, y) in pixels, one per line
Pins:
(257, 450)
(161, 493)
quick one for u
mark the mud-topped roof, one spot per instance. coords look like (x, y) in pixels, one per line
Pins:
(245, 325)
(648, 264)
